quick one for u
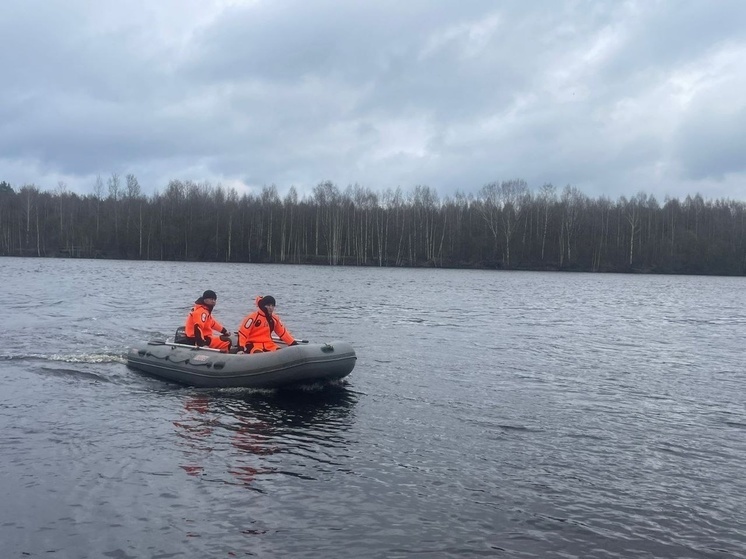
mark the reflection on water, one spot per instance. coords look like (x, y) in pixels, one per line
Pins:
(250, 426)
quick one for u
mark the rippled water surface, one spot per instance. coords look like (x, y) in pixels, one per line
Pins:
(490, 414)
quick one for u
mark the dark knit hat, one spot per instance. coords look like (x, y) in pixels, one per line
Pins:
(267, 300)
(209, 294)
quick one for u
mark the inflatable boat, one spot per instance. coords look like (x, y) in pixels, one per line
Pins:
(207, 368)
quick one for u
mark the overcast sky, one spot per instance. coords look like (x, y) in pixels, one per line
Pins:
(613, 97)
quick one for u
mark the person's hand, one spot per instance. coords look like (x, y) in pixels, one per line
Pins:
(226, 332)
(294, 342)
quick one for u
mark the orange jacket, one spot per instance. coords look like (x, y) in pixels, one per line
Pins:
(255, 331)
(200, 324)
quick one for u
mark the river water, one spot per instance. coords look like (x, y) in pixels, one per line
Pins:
(490, 414)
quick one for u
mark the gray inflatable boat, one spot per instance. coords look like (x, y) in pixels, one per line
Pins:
(207, 368)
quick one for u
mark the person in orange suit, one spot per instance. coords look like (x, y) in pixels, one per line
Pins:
(201, 326)
(255, 332)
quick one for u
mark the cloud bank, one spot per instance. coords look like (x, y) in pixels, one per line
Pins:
(611, 97)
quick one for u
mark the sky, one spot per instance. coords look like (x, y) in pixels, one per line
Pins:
(612, 97)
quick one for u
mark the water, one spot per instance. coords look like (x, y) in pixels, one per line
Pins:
(490, 414)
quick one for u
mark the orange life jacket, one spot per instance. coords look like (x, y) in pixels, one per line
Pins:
(255, 331)
(200, 325)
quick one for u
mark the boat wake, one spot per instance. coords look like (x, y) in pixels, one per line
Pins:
(98, 358)
(74, 374)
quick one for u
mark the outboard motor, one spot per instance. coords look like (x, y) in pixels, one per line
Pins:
(180, 337)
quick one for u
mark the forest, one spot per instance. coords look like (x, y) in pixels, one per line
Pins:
(505, 225)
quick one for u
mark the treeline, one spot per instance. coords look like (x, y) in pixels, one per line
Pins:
(505, 225)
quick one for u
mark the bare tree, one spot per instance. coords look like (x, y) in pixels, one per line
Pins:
(114, 193)
(547, 198)
(98, 194)
(572, 205)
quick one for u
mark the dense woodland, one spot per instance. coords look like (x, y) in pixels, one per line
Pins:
(505, 225)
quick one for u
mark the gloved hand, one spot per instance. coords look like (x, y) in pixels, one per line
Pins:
(225, 332)
(294, 342)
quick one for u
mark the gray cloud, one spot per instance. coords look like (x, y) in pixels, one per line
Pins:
(612, 97)
(712, 147)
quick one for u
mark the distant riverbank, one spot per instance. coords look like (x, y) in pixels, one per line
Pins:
(506, 226)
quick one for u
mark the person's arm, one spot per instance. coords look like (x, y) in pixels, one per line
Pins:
(219, 327)
(199, 338)
(192, 328)
(281, 331)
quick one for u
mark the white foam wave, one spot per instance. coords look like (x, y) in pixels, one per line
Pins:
(70, 358)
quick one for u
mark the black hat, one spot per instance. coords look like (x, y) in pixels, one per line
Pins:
(209, 294)
(267, 300)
